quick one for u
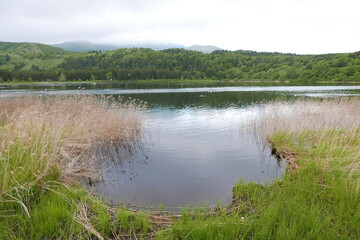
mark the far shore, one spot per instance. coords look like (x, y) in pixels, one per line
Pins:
(173, 81)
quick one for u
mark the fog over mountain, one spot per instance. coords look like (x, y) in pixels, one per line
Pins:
(204, 49)
(295, 26)
(86, 46)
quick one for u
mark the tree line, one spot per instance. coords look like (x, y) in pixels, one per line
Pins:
(131, 64)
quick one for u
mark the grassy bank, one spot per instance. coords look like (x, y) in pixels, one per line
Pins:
(318, 200)
(48, 146)
(318, 197)
(46, 150)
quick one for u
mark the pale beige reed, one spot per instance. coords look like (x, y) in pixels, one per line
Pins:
(310, 114)
(75, 126)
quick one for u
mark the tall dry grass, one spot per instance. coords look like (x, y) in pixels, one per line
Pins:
(39, 136)
(291, 117)
(332, 123)
(46, 142)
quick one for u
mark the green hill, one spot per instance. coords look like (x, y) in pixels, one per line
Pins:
(39, 62)
(25, 56)
(25, 47)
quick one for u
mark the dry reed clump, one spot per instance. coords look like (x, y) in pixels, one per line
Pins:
(302, 115)
(331, 122)
(69, 128)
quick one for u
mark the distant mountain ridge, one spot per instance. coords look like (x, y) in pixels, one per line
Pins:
(203, 49)
(86, 46)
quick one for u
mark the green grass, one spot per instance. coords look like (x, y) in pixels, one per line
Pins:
(67, 213)
(318, 200)
(25, 163)
(52, 215)
(34, 204)
(131, 222)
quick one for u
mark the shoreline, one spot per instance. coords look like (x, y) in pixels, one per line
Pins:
(322, 191)
(172, 81)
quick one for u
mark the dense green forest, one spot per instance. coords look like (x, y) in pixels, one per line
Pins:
(39, 62)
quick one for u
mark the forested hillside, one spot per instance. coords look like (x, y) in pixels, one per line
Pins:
(127, 64)
(31, 48)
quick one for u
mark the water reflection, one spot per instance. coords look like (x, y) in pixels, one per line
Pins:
(195, 156)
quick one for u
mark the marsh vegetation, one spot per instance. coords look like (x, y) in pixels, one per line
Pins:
(47, 146)
(47, 149)
(318, 197)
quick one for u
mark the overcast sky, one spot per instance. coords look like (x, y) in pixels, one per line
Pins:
(296, 26)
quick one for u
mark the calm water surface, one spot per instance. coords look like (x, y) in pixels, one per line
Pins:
(194, 150)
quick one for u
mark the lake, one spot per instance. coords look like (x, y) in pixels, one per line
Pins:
(196, 145)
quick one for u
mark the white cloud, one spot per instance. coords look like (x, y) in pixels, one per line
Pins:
(301, 26)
